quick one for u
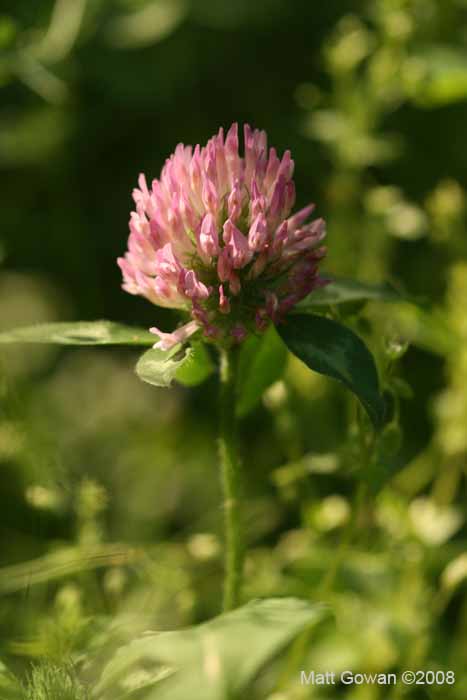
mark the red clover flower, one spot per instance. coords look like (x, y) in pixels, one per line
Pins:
(214, 236)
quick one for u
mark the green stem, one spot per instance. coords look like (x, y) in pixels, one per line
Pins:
(231, 481)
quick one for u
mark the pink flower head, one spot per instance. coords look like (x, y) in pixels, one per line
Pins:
(214, 237)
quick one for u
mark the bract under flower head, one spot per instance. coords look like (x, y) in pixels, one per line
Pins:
(214, 236)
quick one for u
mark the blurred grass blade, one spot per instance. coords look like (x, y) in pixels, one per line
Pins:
(41, 80)
(63, 31)
(342, 291)
(208, 661)
(63, 562)
(262, 362)
(147, 25)
(80, 333)
(330, 348)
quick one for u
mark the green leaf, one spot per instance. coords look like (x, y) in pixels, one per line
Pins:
(196, 367)
(332, 349)
(428, 329)
(159, 367)
(218, 659)
(343, 291)
(262, 362)
(189, 366)
(443, 76)
(80, 333)
(10, 687)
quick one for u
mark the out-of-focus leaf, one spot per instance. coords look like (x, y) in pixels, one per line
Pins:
(38, 134)
(434, 524)
(443, 76)
(79, 333)
(429, 330)
(10, 688)
(332, 349)
(455, 572)
(8, 31)
(207, 661)
(262, 362)
(63, 31)
(147, 25)
(382, 464)
(401, 388)
(342, 291)
(196, 367)
(63, 562)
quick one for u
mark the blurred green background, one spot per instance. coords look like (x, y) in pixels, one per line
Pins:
(109, 496)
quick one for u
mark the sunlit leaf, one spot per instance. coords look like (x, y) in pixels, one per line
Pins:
(262, 362)
(159, 367)
(443, 76)
(79, 333)
(196, 367)
(455, 572)
(330, 348)
(207, 661)
(189, 366)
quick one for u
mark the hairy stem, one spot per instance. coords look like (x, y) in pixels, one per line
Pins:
(231, 481)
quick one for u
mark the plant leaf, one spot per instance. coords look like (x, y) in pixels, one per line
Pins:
(330, 348)
(262, 362)
(428, 329)
(212, 660)
(80, 333)
(444, 80)
(189, 366)
(196, 367)
(159, 367)
(10, 687)
(342, 291)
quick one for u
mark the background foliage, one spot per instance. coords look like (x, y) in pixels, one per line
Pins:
(109, 493)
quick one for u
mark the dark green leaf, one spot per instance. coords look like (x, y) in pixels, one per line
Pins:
(262, 362)
(343, 291)
(80, 333)
(209, 661)
(330, 348)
